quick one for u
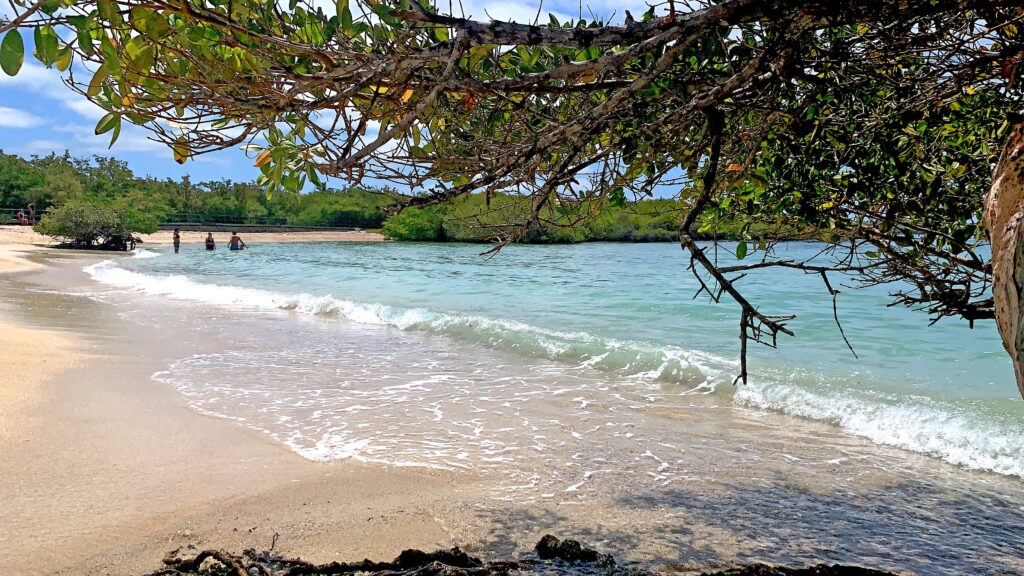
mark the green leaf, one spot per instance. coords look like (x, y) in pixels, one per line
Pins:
(741, 250)
(63, 60)
(110, 57)
(50, 6)
(79, 22)
(12, 52)
(107, 123)
(148, 21)
(47, 45)
(85, 43)
(439, 33)
(109, 11)
(117, 132)
(618, 197)
(96, 84)
(384, 13)
(345, 15)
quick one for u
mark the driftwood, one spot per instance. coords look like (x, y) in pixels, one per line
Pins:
(551, 556)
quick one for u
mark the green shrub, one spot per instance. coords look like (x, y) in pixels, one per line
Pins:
(414, 224)
(81, 225)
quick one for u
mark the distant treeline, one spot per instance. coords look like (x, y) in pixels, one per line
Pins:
(474, 218)
(108, 184)
(55, 180)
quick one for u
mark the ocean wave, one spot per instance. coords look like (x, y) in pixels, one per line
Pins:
(143, 253)
(694, 371)
(913, 423)
(952, 433)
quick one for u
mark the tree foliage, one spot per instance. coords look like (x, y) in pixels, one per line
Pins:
(53, 180)
(81, 225)
(880, 119)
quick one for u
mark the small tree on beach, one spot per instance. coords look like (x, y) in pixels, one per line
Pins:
(881, 122)
(81, 225)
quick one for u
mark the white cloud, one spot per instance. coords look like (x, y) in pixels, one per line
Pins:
(522, 12)
(216, 160)
(82, 140)
(42, 147)
(14, 118)
(34, 77)
(49, 83)
(133, 139)
(83, 107)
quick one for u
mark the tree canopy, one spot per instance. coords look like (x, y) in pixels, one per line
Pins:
(879, 119)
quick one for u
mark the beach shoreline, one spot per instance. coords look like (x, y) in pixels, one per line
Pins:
(164, 237)
(106, 470)
(15, 239)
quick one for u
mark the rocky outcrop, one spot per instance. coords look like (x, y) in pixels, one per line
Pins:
(551, 548)
(552, 557)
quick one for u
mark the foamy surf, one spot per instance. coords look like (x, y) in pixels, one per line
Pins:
(143, 253)
(695, 371)
(912, 423)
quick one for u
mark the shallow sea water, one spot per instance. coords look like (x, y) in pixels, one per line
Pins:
(591, 393)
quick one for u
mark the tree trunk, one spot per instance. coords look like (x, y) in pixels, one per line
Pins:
(1004, 220)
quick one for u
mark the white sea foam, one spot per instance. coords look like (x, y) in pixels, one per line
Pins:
(143, 253)
(913, 423)
(698, 371)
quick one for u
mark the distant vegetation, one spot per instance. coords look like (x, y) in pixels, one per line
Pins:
(102, 189)
(471, 219)
(55, 180)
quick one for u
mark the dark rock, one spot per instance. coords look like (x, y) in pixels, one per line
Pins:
(556, 558)
(551, 548)
(454, 558)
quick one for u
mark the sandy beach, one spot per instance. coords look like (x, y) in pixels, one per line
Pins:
(105, 471)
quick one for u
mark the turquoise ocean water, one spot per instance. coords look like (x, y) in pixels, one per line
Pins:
(626, 310)
(585, 374)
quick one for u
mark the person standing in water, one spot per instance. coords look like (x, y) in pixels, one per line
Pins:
(177, 239)
(210, 244)
(235, 243)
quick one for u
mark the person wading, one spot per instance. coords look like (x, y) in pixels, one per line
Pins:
(235, 243)
(210, 243)
(177, 239)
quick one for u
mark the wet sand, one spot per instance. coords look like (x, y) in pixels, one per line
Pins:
(104, 470)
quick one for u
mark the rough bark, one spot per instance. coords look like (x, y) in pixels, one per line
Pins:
(1004, 220)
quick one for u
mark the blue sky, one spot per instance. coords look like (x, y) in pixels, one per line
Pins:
(39, 114)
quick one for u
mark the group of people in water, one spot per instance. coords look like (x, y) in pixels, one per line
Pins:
(234, 243)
